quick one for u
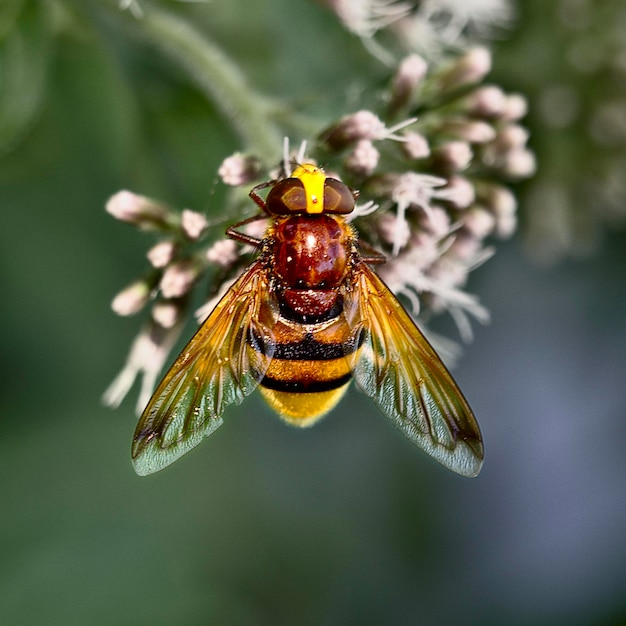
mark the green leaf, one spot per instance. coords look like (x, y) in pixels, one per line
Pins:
(24, 54)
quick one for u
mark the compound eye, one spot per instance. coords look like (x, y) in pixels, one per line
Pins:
(337, 197)
(286, 196)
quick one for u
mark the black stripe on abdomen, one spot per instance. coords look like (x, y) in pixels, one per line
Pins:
(309, 349)
(313, 386)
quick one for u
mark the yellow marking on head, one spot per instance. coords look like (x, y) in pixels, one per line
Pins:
(312, 178)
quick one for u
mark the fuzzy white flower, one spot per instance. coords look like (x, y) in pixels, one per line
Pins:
(427, 266)
(238, 169)
(132, 6)
(223, 252)
(361, 210)
(366, 17)
(146, 358)
(193, 224)
(133, 208)
(131, 299)
(178, 278)
(453, 17)
(161, 253)
(364, 158)
(414, 190)
(166, 313)
(363, 125)
(415, 145)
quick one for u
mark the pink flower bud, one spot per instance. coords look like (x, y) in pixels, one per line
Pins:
(363, 159)
(519, 163)
(478, 221)
(223, 252)
(239, 170)
(393, 230)
(178, 278)
(459, 192)
(166, 313)
(487, 101)
(512, 136)
(162, 253)
(472, 131)
(409, 76)
(193, 224)
(515, 107)
(132, 208)
(352, 128)
(415, 145)
(453, 156)
(436, 222)
(468, 69)
(131, 299)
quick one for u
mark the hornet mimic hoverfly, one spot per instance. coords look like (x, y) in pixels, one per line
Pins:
(306, 317)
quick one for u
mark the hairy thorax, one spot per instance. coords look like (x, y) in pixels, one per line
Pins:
(311, 260)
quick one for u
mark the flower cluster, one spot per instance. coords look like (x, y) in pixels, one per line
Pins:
(175, 267)
(431, 170)
(428, 27)
(439, 181)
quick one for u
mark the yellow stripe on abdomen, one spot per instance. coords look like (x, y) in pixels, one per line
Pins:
(310, 369)
(303, 409)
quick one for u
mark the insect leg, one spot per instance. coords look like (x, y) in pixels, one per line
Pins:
(374, 255)
(257, 198)
(233, 233)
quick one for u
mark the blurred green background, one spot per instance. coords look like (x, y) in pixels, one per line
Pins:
(346, 523)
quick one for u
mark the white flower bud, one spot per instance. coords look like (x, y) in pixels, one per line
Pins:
(166, 313)
(459, 192)
(352, 128)
(468, 69)
(132, 208)
(162, 253)
(393, 230)
(361, 125)
(473, 131)
(363, 159)
(410, 74)
(193, 224)
(478, 221)
(500, 200)
(223, 252)
(131, 299)
(487, 101)
(506, 225)
(415, 145)
(465, 247)
(520, 163)
(512, 136)
(515, 107)
(237, 170)
(436, 222)
(454, 156)
(178, 278)
(503, 205)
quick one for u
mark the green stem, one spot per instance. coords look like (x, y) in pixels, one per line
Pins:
(214, 73)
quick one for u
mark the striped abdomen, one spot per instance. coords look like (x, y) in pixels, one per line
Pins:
(310, 370)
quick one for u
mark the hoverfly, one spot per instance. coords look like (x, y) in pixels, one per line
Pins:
(306, 317)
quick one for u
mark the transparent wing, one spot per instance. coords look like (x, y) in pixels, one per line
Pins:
(222, 363)
(400, 371)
